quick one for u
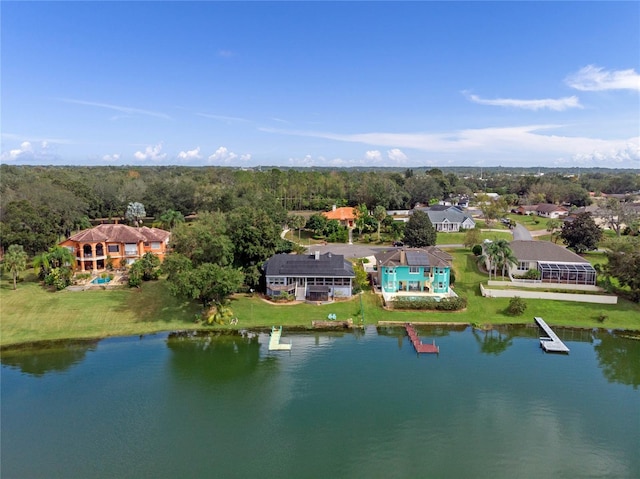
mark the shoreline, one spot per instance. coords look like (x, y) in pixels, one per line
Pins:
(223, 331)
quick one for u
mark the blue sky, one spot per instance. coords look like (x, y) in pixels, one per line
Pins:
(321, 84)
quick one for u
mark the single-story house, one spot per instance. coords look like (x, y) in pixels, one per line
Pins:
(526, 209)
(93, 248)
(419, 271)
(314, 277)
(448, 218)
(345, 215)
(548, 210)
(556, 263)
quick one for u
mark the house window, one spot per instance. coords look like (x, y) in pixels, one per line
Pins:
(155, 245)
(414, 269)
(440, 285)
(523, 265)
(414, 285)
(113, 248)
(131, 248)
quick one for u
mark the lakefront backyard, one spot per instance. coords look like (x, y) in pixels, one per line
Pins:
(32, 313)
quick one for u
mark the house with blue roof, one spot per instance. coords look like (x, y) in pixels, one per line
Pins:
(414, 272)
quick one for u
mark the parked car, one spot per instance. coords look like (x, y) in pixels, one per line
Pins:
(398, 243)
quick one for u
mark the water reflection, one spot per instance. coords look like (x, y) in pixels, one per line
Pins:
(215, 357)
(56, 356)
(619, 357)
(492, 341)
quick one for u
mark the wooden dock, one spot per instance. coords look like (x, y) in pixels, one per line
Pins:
(274, 340)
(551, 343)
(419, 346)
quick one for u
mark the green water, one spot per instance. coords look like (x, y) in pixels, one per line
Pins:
(338, 405)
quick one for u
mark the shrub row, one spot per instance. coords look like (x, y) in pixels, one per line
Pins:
(445, 304)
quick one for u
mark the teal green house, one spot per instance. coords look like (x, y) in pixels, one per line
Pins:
(414, 272)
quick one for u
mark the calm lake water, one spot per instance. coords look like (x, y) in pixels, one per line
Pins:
(338, 405)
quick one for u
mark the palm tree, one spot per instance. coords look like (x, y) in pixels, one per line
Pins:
(56, 257)
(60, 256)
(41, 264)
(297, 222)
(170, 218)
(379, 213)
(504, 255)
(489, 256)
(15, 260)
(553, 227)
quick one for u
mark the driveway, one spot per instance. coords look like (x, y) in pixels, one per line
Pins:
(521, 233)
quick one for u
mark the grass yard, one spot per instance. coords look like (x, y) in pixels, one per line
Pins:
(32, 313)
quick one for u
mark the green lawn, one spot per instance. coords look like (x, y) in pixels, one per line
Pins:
(32, 313)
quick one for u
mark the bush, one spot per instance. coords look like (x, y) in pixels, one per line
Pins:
(532, 274)
(517, 306)
(477, 250)
(445, 304)
(59, 278)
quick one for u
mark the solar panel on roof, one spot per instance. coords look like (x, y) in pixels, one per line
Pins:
(417, 258)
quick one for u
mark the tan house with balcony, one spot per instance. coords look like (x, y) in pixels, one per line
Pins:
(121, 244)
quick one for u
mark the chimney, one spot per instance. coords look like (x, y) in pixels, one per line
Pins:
(403, 259)
(333, 208)
(317, 255)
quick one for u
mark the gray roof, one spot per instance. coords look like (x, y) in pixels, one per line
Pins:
(326, 265)
(543, 251)
(427, 256)
(437, 214)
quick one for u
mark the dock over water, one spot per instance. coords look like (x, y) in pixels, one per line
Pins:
(274, 340)
(551, 343)
(419, 346)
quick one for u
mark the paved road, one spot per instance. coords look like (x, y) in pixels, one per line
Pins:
(521, 233)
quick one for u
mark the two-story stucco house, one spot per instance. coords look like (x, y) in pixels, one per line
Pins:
(414, 271)
(121, 245)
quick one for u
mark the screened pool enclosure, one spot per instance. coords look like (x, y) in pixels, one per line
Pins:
(567, 273)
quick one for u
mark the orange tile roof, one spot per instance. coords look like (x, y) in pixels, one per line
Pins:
(341, 214)
(111, 233)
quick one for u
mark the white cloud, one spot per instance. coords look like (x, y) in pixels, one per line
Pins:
(122, 109)
(559, 104)
(396, 155)
(151, 153)
(509, 144)
(222, 117)
(190, 155)
(222, 155)
(29, 152)
(111, 158)
(373, 155)
(627, 155)
(246, 157)
(594, 78)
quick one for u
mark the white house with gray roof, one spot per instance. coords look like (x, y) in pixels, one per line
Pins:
(448, 219)
(556, 263)
(314, 277)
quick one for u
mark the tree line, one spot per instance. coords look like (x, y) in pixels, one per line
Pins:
(40, 204)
